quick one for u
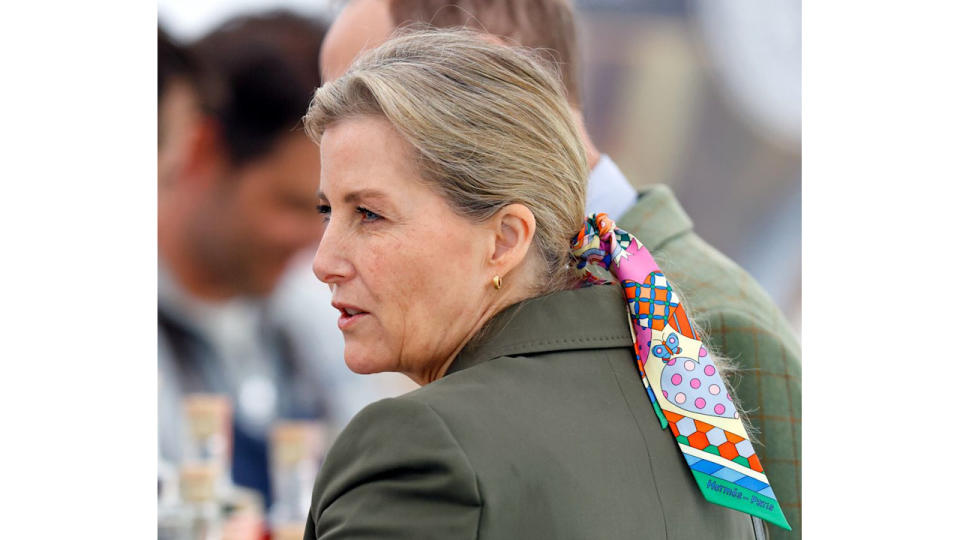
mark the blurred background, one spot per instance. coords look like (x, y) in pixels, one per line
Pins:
(701, 95)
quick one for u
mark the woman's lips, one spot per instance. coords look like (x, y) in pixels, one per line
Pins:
(349, 315)
(347, 320)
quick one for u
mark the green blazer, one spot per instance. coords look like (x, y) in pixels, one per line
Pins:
(541, 430)
(743, 325)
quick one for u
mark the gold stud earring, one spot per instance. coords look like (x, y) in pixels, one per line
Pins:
(497, 282)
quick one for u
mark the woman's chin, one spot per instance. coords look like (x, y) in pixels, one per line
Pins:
(363, 364)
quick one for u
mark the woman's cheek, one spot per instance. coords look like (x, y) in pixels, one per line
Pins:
(375, 269)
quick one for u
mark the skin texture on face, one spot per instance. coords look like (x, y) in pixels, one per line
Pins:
(395, 251)
(362, 25)
(256, 217)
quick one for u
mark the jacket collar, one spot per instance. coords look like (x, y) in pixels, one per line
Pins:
(589, 318)
(656, 217)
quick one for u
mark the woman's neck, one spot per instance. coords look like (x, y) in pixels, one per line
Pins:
(499, 301)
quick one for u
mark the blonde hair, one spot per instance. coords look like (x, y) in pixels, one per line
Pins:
(490, 126)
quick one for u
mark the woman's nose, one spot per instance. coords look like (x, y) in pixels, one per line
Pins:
(331, 263)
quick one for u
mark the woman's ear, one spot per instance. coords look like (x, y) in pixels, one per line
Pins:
(513, 230)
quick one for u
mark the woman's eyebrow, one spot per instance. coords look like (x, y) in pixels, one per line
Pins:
(355, 196)
(365, 194)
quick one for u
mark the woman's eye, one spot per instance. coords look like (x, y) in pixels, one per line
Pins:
(367, 215)
(324, 210)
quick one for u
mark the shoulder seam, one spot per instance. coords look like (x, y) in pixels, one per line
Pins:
(502, 351)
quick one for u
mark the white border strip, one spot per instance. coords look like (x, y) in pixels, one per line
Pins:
(686, 449)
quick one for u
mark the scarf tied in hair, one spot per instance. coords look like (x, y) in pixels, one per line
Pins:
(685, 388)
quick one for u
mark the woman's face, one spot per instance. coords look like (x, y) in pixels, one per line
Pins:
(407, 273)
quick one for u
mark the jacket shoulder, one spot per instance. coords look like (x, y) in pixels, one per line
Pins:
(397, 465)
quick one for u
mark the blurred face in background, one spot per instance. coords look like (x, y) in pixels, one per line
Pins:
(244, 203)
(178, 113)
(405, 270)
(258, 215)
(362, 25)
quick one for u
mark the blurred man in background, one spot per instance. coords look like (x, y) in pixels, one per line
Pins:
(237, 181)
(178, 111)
(744, 325)
(178, 105)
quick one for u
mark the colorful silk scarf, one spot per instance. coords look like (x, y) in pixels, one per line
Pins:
(683, 384)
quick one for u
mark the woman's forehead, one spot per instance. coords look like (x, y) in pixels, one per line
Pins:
(365, 154)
